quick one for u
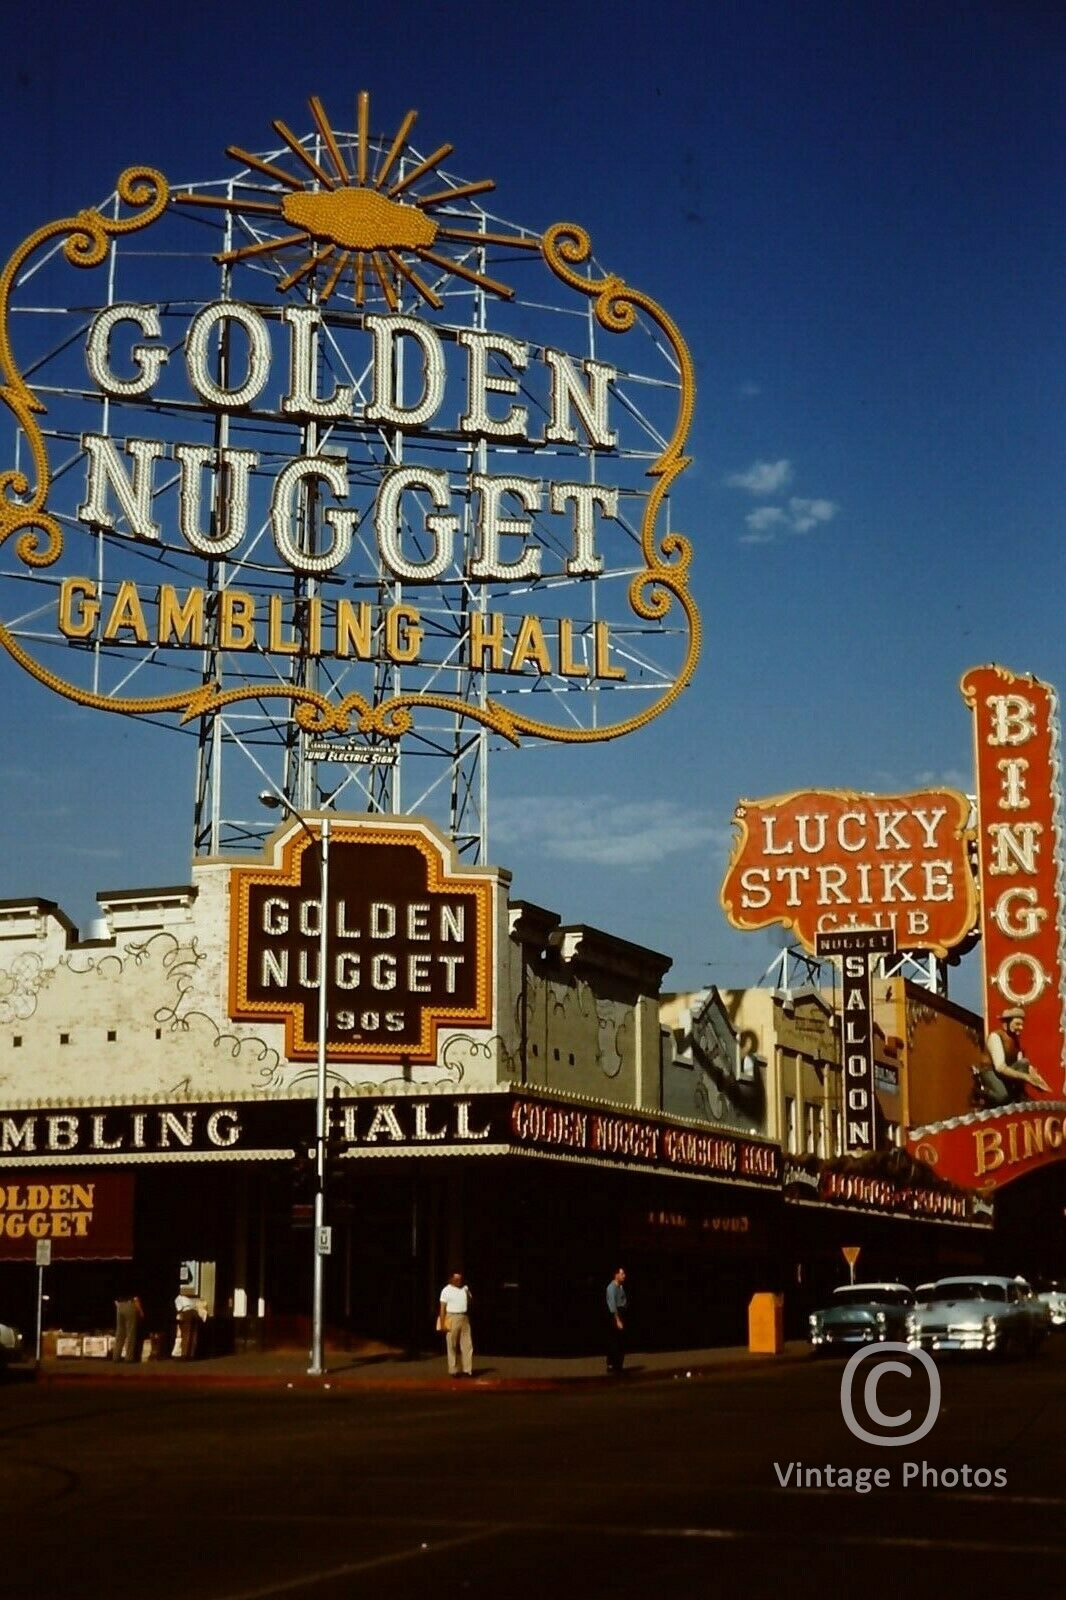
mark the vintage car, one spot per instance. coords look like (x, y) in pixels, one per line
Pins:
(861, 1313)
(1053, 1294)
(989, 1314)
(10, 1344)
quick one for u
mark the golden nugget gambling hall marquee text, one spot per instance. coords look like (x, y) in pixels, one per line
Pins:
(504, 1123)
(330, 413)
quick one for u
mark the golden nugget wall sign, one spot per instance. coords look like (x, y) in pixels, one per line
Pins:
(409, 941)
(325, 433)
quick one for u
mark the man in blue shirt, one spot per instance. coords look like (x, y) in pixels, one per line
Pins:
(616, 1321)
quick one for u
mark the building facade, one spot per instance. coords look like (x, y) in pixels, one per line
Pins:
(164, 1072)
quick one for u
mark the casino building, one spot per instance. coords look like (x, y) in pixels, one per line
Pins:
(502, 1094)
(507, 1094)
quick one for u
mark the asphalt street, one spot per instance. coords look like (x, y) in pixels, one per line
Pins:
(670, 1488)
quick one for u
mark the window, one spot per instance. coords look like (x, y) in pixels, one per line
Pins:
(790, 1125)
(834, 1119)
(813, 1130)
(17, 1040)
(111, 1035)
(64, 1038)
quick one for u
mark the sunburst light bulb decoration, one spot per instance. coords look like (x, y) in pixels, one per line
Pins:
(349, 219)
(328, 441)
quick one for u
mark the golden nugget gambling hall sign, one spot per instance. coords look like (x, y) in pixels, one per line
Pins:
(409, 942)
(326, 435)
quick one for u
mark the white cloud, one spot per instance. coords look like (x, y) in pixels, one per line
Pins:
(762, 477)
(766, 522)
(807, 514)
(602, 831)
(764, 518)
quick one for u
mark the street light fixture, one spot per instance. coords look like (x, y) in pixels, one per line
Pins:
(277, 802)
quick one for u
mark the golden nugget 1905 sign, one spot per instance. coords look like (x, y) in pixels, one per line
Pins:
(409, 942)
(324, 434)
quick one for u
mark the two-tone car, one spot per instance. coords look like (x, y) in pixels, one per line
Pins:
(1053, 1294)
(986, 1314)
(861, 1313)
(10, 1344)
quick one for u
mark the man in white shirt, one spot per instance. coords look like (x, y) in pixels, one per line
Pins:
(455, 1299)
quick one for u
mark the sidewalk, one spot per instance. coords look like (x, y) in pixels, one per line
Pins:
(379, 1368)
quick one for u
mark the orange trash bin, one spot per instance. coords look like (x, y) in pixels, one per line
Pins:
(766, 1324)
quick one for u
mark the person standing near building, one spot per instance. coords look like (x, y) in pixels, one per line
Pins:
(617, 1311)
(455, 1302)
(189, 1312)
(129, 1314)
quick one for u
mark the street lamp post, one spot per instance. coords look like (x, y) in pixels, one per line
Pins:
(275, 802)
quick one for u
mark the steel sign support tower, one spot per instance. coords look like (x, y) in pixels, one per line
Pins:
(272, 801)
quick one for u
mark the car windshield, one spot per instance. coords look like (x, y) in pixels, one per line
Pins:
(872, 1295)
(940, 1292)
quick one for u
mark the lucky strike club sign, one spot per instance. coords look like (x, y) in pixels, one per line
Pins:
(824, 860)
(409, 942)
(328, 410)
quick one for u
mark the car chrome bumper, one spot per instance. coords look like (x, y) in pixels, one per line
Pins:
(963, 1340)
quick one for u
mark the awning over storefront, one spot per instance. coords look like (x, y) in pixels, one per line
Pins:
(886, 1183)
(526, 1123)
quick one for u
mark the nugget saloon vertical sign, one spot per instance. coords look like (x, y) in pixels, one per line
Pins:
(409, 940)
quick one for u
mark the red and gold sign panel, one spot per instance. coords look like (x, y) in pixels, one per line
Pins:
(85, 1216)
(1012, 1120)
(409, 942)
(820, 859)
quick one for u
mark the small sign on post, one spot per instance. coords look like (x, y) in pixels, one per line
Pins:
(850, 1253)
(325, 1241)
(44, 1259)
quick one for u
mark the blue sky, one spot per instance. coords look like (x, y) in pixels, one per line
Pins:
(855, 214)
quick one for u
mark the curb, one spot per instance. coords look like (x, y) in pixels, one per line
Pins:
(730, 1366)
